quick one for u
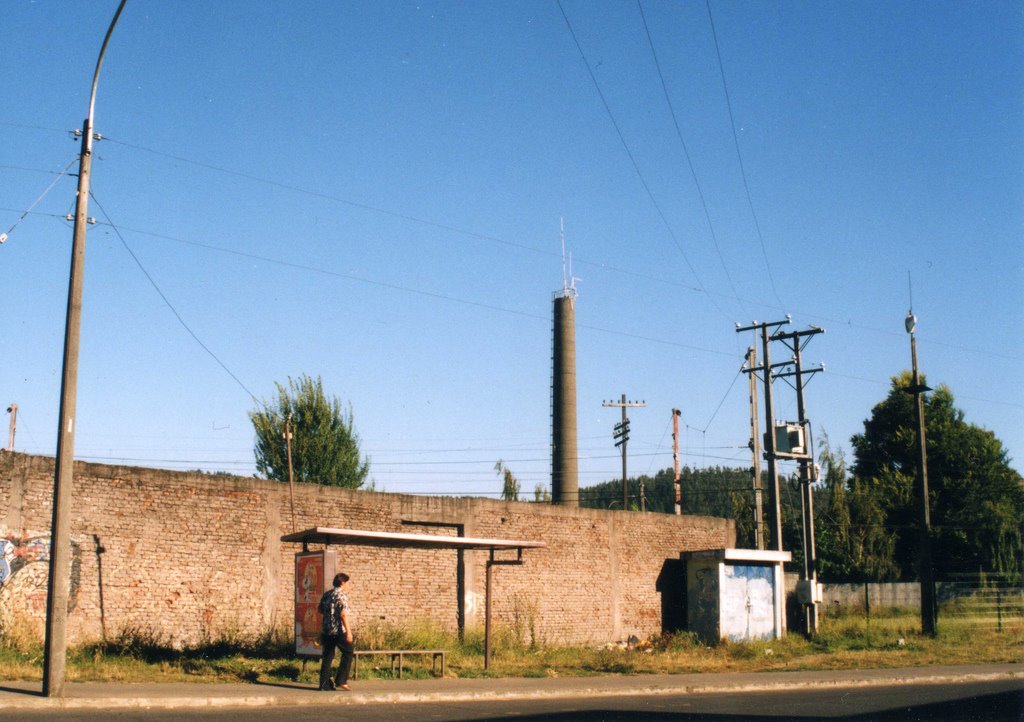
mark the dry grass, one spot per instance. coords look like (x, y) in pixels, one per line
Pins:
(844, 643)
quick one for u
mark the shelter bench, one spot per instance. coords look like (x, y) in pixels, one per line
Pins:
(396, 658)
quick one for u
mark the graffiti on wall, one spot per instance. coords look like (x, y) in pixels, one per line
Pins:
(18, 551)
(21, 551)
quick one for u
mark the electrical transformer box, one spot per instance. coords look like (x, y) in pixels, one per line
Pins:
(789, 439)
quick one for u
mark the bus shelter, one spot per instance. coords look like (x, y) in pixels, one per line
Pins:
(314, 569)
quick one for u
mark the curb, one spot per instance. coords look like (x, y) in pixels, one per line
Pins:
(31, 702)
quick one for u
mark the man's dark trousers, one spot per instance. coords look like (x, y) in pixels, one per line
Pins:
(330, 643)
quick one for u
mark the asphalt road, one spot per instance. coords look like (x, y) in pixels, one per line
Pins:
(971, 701)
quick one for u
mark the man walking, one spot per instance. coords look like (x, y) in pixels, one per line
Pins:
(336, 633)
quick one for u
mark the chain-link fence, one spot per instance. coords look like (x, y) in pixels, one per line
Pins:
(984, 600)
(977, 600)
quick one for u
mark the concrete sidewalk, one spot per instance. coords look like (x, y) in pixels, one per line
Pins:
(90, 695)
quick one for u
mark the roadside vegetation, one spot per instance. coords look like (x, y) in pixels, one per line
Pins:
(847, 641)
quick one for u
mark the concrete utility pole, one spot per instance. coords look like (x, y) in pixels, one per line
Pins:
(55, 653)
(622, 434)
(13, 411)
(774, 494)
(796, 341)
(755, 448)
(675, 461)
(928, 612)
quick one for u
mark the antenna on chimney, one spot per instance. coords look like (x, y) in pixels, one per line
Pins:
(568, 280)
(561, 226)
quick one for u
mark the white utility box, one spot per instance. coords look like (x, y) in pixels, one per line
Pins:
(735, 594)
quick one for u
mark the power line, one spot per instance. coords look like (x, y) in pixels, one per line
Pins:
(724, 397)
(417, 291)
(632, 158)
(170, 305)
(602, 266)
(5, 235)
(739, 156)
(686, 152)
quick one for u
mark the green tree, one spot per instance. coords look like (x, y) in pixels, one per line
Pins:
(976, 498)
(325, 447)
(834, 533)
(510, 484)
(853, 542)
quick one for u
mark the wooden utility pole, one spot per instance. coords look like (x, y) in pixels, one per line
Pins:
(796, 342)
(621, 433)
(774, 494)
(928, 612)
(675, 461)
(755, 448)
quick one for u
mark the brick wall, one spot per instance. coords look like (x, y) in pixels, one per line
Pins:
(187, 557)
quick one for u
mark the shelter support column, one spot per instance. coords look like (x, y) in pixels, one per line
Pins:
(492, 562)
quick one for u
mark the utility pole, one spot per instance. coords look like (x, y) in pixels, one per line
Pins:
(675, 461)
(774, 495)
(291, 479)
(796, 341)
(13, 411)
(924, 513)
(755, 448)
(58, 585)
(621, 433)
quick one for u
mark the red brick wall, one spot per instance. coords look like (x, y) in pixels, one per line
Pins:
(189, 557)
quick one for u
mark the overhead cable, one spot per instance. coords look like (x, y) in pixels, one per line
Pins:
(739, 156)
(686, 152)
(632, 158)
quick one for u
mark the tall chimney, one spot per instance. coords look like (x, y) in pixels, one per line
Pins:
(565, 487)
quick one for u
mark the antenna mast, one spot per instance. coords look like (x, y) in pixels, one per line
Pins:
(565, 280)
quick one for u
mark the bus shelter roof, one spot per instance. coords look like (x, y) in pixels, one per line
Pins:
(329, 535)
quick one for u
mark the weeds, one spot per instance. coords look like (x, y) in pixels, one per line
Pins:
(845, 642)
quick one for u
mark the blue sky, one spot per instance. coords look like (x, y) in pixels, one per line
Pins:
(371, 192)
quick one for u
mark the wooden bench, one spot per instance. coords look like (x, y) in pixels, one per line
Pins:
(396, 658)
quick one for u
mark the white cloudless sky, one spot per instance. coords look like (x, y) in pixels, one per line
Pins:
(371, 193)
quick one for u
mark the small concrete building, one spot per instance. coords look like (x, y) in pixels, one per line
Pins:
(735, 594)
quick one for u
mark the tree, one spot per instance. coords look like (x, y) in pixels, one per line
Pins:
(325, 447)
(853, 543)
(976, 498)
(510, 489)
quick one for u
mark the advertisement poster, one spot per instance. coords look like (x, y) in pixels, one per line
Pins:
(310, 571)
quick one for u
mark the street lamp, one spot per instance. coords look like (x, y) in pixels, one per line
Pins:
(924, 514)
(55, 652)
